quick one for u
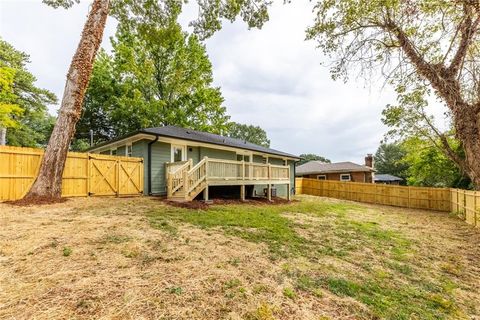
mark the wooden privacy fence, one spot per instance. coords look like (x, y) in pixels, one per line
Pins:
(85, 174)
(462, 202)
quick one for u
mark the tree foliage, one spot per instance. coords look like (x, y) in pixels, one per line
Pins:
(389, 158)
(154, 78)
(23, 106)
(421, 47)
(430, 167)
(250, 133)
(306, 157)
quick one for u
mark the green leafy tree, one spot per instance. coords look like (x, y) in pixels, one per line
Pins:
(157, 77)
(421, 47)
(389, 158)
(429, 167)
(23, 106)
(250, 133)
(307, 157)
(139, 13)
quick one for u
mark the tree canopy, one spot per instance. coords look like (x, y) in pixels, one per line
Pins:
(250, 133)
(389, 158)
(23, 106)
(154, 78)
(306, 157)
(430, 167)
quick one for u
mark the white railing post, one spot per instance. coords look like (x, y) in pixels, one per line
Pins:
(243, 169)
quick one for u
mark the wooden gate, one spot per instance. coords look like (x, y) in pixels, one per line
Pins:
(115, 177)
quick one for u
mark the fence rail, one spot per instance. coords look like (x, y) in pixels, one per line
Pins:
(84, 175)
(466, 204)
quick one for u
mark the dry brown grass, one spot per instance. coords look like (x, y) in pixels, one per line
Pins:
(100, 258)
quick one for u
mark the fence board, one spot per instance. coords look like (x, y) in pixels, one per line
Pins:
(81, 177)
(466, 204)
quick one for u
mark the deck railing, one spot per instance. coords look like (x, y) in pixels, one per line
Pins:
(218, 169)
(184, 176)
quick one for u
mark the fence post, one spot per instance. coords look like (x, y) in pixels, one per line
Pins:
(88, 174)
(409, 205)
(475, 208)
(118, 177)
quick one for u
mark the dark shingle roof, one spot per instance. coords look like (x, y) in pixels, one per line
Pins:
(386, 177)
(314, 167)
(205, 137)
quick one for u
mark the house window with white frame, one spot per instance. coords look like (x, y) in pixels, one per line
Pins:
(113, 152)
(128, 150)
(178, 153)
(345, 177)
(322, 177)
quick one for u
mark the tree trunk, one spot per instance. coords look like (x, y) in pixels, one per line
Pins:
(467, 126)
(48, 184)
(3, 136)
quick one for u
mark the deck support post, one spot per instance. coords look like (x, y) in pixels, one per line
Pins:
(269, 192)
(288, 192)
(242, 192)
(205, 193)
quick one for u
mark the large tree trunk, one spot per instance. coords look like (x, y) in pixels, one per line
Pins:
(3, 136)
(467, 127)
(48, 184)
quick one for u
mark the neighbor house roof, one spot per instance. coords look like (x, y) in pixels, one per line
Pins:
(200, 136)
(386, 177)
(318, 167)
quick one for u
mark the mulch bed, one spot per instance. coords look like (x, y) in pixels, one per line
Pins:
(35, 201)
(201, 205)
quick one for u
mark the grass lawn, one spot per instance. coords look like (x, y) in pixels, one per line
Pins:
(315, 258)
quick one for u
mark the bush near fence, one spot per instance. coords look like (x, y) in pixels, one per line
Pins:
(85, 174)
(466, 204)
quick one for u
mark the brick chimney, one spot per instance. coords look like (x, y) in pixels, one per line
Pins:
(369, 160)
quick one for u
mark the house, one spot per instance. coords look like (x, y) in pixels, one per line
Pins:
(339, 171)
(387, 179)
(184, 164)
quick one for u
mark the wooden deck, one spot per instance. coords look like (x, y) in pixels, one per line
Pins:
(185, 180)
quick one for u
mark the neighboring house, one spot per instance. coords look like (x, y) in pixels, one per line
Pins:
(339, 171)
(183, 163)
(387, 179)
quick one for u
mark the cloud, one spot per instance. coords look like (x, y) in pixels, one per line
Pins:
(270, 77)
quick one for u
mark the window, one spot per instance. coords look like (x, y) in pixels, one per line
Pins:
(285, 162)
(128, 150)
(264, 159)
(243, 157)
(345, 177)
(322, 177)
(178, 153)
(113, 152)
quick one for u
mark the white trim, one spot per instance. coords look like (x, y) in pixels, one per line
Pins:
(178, 146)
(322, 175)
(128, 145)
(346, 174)
(190, 143)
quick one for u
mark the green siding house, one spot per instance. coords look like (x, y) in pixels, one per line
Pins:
(182, 163)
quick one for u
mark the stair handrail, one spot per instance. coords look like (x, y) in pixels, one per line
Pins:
(176, 179)
(192, 173)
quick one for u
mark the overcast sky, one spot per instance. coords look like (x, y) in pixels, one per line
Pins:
(270, 77)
